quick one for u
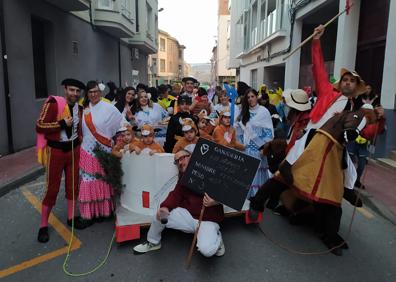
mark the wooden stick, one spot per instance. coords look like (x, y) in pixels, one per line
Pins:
(190, 253)
(313, 34)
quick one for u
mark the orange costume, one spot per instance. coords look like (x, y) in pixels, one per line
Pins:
(183, 143)
(226, 136)
(155, 147)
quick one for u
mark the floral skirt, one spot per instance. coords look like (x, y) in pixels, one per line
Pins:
(96, 196)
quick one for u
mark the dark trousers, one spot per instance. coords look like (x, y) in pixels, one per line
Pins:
(328, 219)
(271, 188)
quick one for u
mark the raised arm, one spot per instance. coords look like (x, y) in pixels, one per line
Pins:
(320, 75)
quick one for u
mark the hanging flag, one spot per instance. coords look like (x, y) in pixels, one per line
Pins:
(232, 94)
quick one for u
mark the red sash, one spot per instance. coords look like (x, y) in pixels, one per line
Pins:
(102, 140)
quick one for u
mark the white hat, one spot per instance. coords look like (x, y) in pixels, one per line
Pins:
(297, 99)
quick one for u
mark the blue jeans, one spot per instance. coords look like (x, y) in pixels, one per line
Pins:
(359, 154)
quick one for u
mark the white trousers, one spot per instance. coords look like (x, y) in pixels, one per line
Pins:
(209, 236)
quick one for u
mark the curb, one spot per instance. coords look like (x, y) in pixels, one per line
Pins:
(377, 206)
(25, 178)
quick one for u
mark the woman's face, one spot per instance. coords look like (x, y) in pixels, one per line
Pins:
(202, 123)
(252, 99)
(94, 95)
(190, 135)
(143, 99)
(224, 100)
(129, 96)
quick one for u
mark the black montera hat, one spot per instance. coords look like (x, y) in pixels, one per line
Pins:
(73, 82)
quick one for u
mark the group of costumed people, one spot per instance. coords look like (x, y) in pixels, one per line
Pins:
(301, 140)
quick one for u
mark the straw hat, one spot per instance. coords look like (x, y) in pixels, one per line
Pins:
(360, 87)
(297, 99)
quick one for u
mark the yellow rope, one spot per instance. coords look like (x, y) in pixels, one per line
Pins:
(65, 265)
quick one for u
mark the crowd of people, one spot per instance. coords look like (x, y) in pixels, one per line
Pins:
(301, 138)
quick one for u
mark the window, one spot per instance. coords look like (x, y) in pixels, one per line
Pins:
(162, 44)
(39, 62)
(105, 4)
(253, 78)
(162, 65)
(149, 18)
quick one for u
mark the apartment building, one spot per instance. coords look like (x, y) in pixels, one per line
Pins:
(264, 31)
(167, 65)
(45, 41)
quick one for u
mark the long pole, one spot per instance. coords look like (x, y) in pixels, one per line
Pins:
(190, 253)
(313, 34)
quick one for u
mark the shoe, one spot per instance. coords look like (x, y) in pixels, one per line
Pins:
(221, 250)
(80, 223)
(253, 214)
(146, 247)
(281, 210)
(352, 198)
(43, 236)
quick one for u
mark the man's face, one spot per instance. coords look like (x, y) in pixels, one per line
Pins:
(181, 160)
(189, 86)
(348, 84)
(72, 94)
(190, 135)
(205, 98)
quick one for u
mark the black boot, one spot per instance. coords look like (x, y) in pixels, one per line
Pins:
(351, 196)
(80, 223)
(43, 236)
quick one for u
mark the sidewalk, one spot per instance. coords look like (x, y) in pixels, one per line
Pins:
(380, 181)
(18, 169)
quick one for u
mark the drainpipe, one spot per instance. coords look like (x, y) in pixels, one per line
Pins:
(119, 63)
(5, 79)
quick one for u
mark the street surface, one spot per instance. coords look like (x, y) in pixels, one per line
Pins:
(250, 256)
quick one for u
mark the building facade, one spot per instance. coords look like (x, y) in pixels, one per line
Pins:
(264, 31)
(167, 65)
(45, 41)
(223, 70)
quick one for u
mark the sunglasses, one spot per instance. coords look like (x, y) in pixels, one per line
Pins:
(176, 162)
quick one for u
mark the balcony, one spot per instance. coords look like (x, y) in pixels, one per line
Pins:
(114, 18)
(71, 5)
(145, 41)
(269, 28)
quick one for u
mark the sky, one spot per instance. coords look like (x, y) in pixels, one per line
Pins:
(193, 23)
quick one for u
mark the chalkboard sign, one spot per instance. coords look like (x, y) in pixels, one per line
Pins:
(225, 174)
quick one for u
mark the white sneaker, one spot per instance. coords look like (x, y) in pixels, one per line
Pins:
(221, 250)
(146, 247)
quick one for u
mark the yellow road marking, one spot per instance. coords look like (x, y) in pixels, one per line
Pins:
(365, 213)
(59, 228)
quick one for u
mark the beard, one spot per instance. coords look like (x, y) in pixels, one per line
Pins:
(347, 91)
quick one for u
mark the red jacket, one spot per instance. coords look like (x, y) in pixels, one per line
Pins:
(48, 122)
(182, 197)
(325, 91)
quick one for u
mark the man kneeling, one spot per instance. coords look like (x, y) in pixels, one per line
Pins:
(181, 210)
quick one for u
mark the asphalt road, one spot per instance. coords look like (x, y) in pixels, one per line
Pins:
(250, 256)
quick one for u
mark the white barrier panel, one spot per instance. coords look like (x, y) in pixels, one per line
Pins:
(148, 180)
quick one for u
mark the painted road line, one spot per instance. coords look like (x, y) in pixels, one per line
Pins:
(365, 213)
(59, 228)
